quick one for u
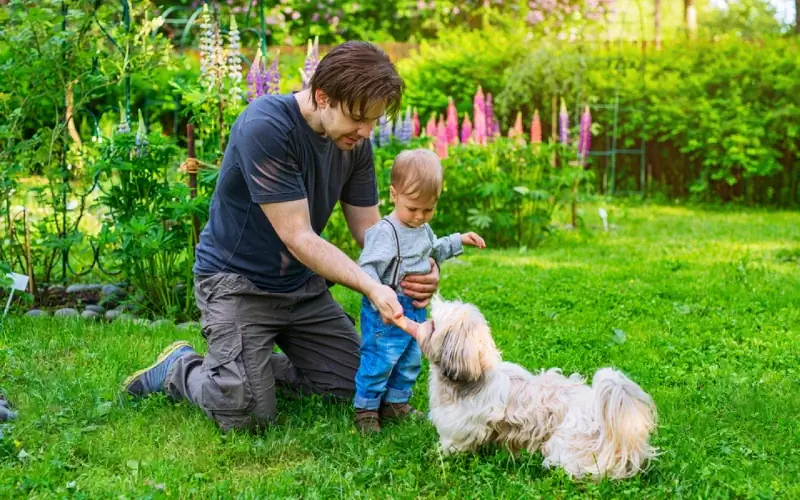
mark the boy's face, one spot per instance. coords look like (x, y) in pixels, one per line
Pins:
(413, 212)
(344, 129)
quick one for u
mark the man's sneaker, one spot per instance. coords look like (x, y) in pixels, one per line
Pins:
(151, 379)
(368, 421)
(400, 411)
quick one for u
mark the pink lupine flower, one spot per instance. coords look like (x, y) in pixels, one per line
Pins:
(430, 128)
(441, 139)
(536, 128)
(563, 123)
(479, 107)
(466, 129)
(452, 123)
(415, 123)
(585, 138)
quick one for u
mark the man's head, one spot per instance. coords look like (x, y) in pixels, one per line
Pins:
(353, 86)
(416, 183)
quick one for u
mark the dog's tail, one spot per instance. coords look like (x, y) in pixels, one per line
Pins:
(626, 415)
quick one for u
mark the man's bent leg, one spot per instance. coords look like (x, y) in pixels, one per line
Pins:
(234, 382)
(321, 343)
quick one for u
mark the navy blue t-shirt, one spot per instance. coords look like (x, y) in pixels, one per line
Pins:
(274, 155)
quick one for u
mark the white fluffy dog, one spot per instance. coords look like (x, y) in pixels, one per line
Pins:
(476, 398)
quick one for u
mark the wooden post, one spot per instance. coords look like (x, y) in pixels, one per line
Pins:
(191, 169)
(28, 261)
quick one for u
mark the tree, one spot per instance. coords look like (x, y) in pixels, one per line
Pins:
(657, 22)
(690, 15)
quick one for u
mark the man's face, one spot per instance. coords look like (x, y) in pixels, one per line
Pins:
(346, 130)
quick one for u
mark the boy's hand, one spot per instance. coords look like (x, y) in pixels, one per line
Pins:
(473, 239)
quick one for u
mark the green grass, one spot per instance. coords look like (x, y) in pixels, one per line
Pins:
(709, 301)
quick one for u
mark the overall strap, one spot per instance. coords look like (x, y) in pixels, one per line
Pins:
(398, 259)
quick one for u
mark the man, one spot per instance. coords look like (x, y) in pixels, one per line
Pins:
(262, 271)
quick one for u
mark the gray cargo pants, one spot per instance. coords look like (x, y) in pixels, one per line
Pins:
(235, 382)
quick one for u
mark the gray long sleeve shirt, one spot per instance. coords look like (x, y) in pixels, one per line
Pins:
(416, 246)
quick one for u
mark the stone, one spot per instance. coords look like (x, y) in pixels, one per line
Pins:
(95, 308)
(113, 314)
(36, 313)
(161, 322)
(188, 324)
(83, 288)
(66, 312)
(56, 290)
(126, 317)
(112, 291)
(93, 315)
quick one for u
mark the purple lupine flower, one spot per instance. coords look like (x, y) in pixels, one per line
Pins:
(254, 77)
(466, 130)
(489, 116)
(451, 125)
(311, 63)
(398, 128)
(141, 136)
(584, 141)
(385, 132)
(272, 84)
(563, 123)
(408, 126)
(373, 138)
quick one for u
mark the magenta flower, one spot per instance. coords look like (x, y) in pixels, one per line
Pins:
(416, 125)
(452, 122)
(490, 119)
(479, 108)
(441, 139)
(466, 129)
(584, 141)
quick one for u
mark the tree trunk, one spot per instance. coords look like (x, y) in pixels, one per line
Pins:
(690, 14)
(657, 22)
(797, 16)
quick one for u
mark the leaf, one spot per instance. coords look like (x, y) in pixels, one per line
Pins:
(618, 336)
(132, 464)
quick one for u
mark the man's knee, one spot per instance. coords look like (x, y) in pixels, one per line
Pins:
(249, 421)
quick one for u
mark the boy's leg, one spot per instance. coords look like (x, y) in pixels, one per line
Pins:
(406, 371)
(375, 366)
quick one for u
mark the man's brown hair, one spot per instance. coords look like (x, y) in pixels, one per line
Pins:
(358, 75)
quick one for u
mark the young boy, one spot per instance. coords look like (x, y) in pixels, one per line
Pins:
(399, 245)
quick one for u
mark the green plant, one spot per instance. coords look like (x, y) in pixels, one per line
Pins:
(148, 221)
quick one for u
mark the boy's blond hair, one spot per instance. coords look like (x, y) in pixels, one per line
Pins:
(417, 173)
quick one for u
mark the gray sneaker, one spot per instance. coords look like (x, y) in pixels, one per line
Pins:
(151, 379)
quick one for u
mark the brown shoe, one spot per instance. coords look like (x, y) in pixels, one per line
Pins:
(368, 421)
(400, 411)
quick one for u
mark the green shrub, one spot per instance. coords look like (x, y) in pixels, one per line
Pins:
(718, 118)
(506, 191)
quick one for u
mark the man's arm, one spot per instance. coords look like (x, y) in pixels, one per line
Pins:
(292, 222)
(359, 219)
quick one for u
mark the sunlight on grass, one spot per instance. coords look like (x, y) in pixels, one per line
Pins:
(706, 300)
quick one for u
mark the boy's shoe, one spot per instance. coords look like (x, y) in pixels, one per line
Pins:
(151, 379)
(368, 421)
(399, 411)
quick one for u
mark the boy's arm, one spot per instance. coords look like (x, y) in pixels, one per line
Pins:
(446, 247)
(379, 250)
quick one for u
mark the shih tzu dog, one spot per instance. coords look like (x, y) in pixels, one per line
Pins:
(476, 399)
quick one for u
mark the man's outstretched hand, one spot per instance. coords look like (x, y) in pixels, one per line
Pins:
(421, 287)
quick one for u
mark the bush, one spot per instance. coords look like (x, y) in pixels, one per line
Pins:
(718, 118)
(506, 191)
(455, 66)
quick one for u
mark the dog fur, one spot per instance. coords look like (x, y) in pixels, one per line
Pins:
(476, 398)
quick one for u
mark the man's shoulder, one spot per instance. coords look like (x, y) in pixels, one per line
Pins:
(270, 114)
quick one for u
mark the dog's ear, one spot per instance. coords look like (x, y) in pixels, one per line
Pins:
(461, 357)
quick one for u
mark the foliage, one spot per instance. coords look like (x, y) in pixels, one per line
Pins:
(711, 333)
(717, 117)
(456, 65)
(507, 191)
(148, 221)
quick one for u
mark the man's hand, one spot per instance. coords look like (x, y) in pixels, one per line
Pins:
(473, 239)
(421, 287)
(385, 299)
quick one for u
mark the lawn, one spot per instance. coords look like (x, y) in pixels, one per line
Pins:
(699, 306)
